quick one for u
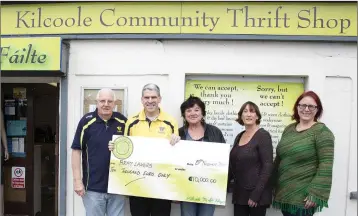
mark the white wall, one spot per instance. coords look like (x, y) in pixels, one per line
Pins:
(133, 63)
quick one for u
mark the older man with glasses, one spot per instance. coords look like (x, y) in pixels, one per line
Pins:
(93, 133)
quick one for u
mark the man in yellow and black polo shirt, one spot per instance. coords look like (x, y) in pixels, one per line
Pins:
(151, 122)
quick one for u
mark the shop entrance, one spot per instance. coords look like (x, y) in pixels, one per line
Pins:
(30, 176)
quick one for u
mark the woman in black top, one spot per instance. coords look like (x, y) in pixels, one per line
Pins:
(251, 162)
(195, 129)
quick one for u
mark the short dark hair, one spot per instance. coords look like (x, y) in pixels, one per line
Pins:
(189, 103)
(253, 107)
(315, 97)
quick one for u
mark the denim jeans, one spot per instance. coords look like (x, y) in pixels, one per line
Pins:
(196, 209)
(101, 204)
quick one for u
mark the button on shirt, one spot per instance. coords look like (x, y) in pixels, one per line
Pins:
(92, 137)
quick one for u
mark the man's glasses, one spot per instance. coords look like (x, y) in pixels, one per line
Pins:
(304, 106)
(109, 102)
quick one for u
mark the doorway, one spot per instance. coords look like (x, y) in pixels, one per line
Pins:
(31, 113)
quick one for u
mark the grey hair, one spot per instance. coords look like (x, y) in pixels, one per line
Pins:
(151, 87)
(106, 90)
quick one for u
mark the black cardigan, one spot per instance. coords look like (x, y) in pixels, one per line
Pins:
(250, 167)
(211, 134)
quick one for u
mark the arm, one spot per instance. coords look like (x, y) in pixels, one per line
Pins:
(320, 187)
(76, 165)
(176, 130)
(221, 137)
(230, 176)
(76, 161)
(266, 157)
(274, 174)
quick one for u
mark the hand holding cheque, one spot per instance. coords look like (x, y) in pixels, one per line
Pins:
(187, 171)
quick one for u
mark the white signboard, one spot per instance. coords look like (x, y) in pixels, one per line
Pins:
(151, 167)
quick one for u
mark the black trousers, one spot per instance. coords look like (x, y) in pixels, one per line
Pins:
(141, 206)
(245, 210)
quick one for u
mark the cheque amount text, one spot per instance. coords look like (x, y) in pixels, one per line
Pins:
(201, 179)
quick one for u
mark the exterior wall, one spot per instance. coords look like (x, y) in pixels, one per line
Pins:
(330, 69)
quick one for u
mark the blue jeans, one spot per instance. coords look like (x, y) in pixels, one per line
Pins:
(101, 204)
(196, 209)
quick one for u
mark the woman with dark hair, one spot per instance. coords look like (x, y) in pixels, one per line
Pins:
(304, 161)
(195, 129)
(251, 162)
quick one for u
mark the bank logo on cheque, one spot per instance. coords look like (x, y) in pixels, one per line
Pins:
(123, 147)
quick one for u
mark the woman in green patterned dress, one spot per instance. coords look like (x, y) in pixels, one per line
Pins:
(304, 161)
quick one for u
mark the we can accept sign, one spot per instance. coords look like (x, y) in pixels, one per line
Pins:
(262, 18)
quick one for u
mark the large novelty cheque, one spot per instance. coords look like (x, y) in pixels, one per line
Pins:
(188, 171)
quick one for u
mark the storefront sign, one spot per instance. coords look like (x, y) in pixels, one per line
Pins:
(31, 54)
(223, 100)
(151, 167)
(18, 177)
(243, 18)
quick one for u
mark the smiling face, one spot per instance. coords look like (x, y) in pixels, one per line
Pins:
(151, 101)
(307, 109)
(249, 116)
(105, 104)
(193, 115)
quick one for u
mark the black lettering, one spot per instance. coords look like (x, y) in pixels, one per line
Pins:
(170, 21)
(162, 19)
(285, 19)
(101, 17)
(234, 18)
(125, 21)
(34, 55)
(304, 19)
(137, 19)
(335, 23)
(87, 21)
(204, 20)
(45, 24)
(260, 22)
(269, 21)
(33, 21)
(187, 18)
(28, 53)
(315, 19)
(21, 19)
(79, 15)
(277, 17)
(41, 59)
(2, 53)
(61, 22)
(72, 24)
(21, 57)
(14, 58)
(247, 18)
(40, 12)
(343, 26)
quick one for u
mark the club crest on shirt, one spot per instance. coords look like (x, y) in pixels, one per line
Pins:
(119, 129)
(161, 130)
